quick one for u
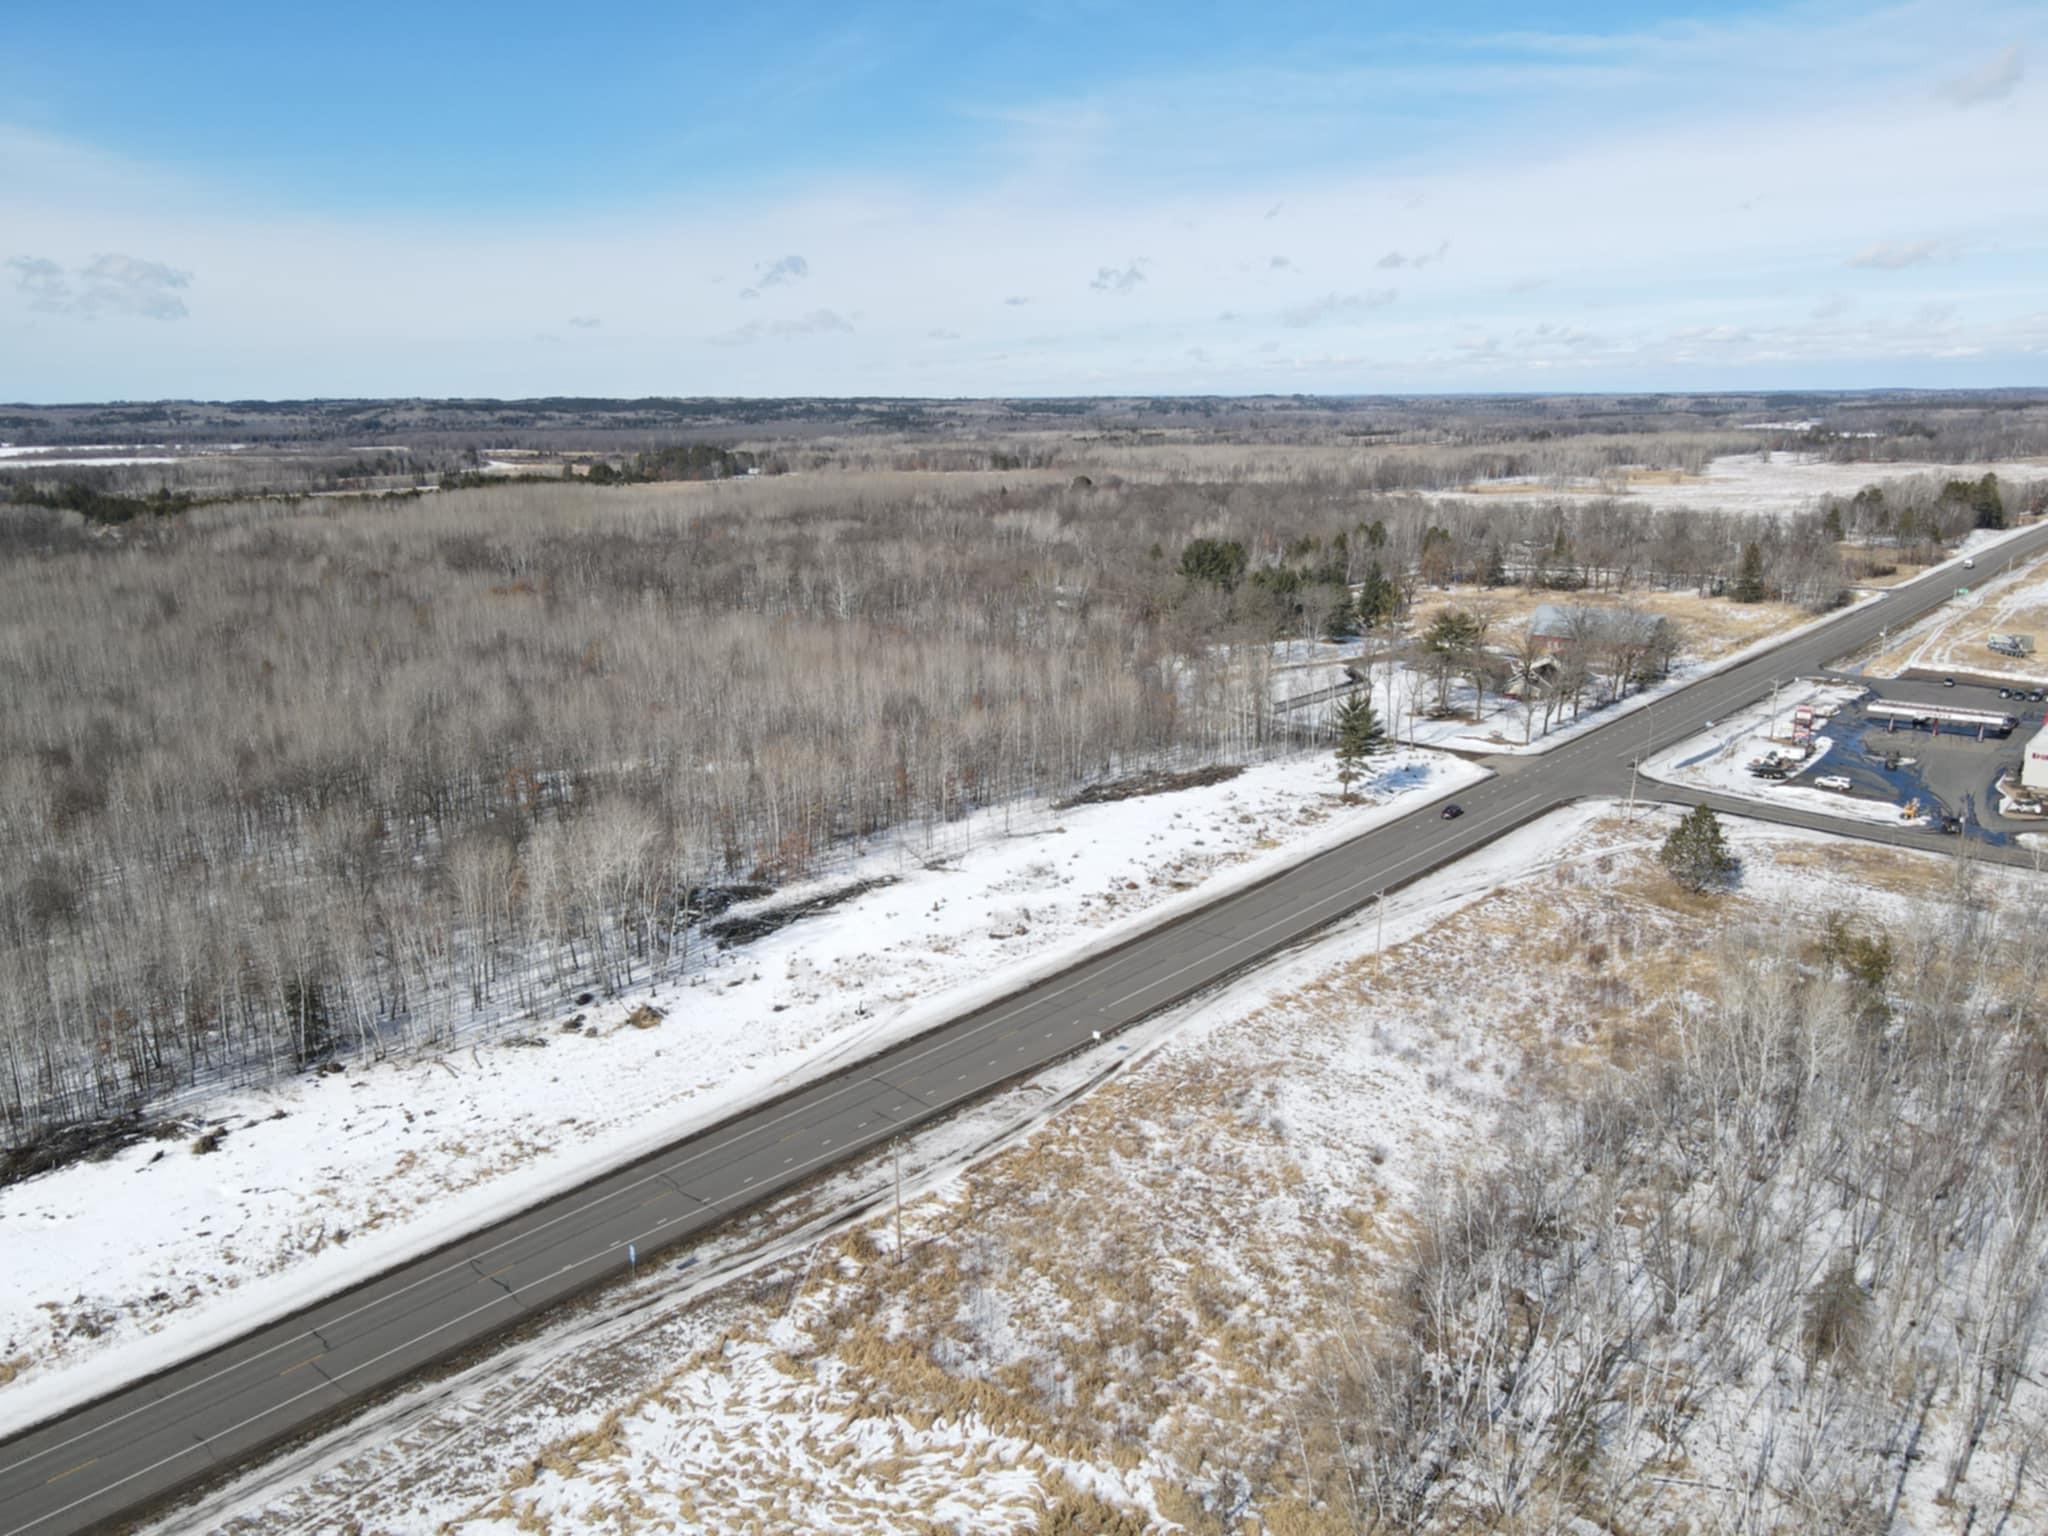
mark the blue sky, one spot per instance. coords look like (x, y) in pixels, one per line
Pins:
(234, 200)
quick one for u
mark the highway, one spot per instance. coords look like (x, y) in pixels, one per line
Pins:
(138, 1446)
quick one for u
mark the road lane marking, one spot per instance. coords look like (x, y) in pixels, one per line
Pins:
(301, 1365)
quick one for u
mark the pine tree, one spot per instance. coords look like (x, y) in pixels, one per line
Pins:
(1496, 567)
(1987, 503)
(1358, 738)
(1378, 599)
(1749, 585)
(1695, 853)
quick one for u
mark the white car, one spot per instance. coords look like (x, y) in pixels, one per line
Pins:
(1835, 781)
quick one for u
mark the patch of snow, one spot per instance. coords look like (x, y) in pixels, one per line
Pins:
(1780, 484)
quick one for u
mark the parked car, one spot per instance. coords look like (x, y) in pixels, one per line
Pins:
(1948, 682)
(2005, 693)
(1453, 811)
(2037, 697)
(1839, 782)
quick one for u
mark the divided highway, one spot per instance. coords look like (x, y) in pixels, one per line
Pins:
(137, 1446)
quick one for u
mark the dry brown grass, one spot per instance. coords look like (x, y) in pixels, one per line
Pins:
(1709, 626)
(1958, 639)
(1138, 1289)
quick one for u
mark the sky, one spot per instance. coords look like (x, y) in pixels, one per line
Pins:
(230, 201)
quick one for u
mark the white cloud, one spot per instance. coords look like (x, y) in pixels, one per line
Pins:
(790, 269)
(1895, 255)
(107, 285)
(1113, 280)
(585, 322)
(1338, 306)
(1992, 81)
(1394, 259)
(819, 322)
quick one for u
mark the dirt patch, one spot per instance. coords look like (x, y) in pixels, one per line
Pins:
(715, 900)
(1156, 783)
(94, 1141)
(758, 925)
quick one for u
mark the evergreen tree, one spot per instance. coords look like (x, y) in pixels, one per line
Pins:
(1496, 567)
(1695, 853)
(1378, 598)
(1340, 621)
(1358, 737)
(1217, 561)
(1749, 585)
(1988, 504)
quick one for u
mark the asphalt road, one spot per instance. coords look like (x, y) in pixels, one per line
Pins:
(188, 1424)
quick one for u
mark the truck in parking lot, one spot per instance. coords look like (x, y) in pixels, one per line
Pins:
(2011, 644)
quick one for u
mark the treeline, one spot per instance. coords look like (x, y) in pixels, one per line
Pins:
(96, 505)
(1923, 513)
(678, 461)
(281, 778)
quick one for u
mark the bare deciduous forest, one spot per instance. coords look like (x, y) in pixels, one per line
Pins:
(289, 776)
(1787, 1277)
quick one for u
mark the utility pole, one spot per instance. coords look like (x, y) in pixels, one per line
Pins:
(899, 1204)
(1772, 732)
(1380, 936)
(1630, 818)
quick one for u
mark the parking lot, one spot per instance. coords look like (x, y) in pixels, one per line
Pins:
(1949, 771)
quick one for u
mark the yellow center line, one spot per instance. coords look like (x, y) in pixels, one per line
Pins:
(69, 1471)
(301, 1365)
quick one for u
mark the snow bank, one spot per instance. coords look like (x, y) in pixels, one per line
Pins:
(121, 1267)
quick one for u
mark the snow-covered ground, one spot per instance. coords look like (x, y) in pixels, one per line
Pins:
(118, 1267)
(1123, 1299)
(1777, 483)
(1402, 696)
(1954, 636)
(1717, 759)
(737, 1391)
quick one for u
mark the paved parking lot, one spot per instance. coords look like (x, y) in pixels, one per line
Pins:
(1950, 773)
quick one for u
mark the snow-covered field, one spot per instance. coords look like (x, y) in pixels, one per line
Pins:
(1777, 483)
(1118, 1308)
(118, 1267)
(1717, 759)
